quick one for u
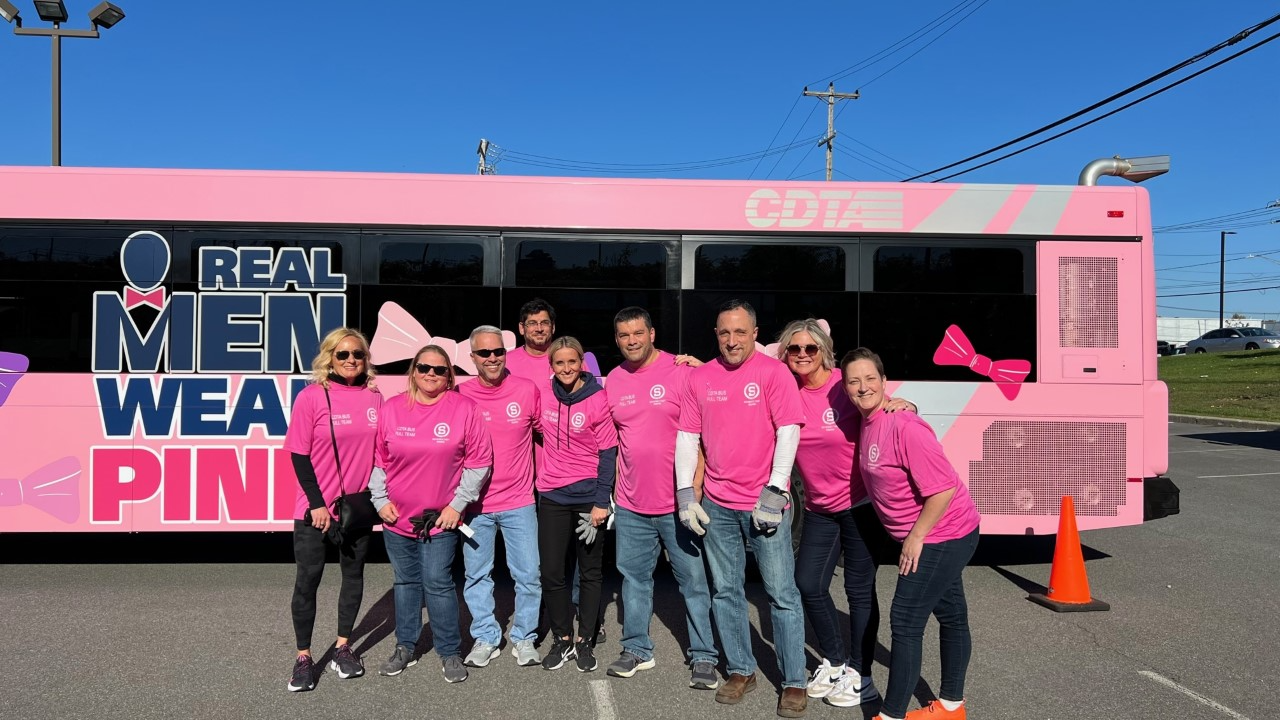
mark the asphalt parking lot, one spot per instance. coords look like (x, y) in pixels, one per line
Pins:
(198, 626)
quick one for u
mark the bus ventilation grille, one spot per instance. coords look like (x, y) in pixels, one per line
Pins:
(1088, 302)
(1027, 466)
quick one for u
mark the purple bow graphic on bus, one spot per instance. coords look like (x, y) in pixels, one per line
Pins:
(957, 350)
(133, 298)
(53, 489)
(12, 367)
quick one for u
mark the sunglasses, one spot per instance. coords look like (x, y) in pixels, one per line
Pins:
(439, 370)
(486, 352)
(810, 349)
(344, 354)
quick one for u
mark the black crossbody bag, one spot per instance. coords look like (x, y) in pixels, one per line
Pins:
(354, 512)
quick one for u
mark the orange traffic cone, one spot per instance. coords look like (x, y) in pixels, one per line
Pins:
(1068, 584)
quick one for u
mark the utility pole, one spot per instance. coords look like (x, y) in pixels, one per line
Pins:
(483, 151)
(830, 96)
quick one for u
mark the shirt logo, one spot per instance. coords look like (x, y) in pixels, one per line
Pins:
(578, 420)
(829, 416)
(657, 392)
(873, 453)
(442, 430)
(372, 414)
(513, 409)
(751, 391)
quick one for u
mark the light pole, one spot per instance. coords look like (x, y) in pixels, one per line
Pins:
(103, 15)
(1222, 273)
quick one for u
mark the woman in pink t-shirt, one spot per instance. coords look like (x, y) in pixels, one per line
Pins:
(333, 423)
(924, 506)
(432, 458)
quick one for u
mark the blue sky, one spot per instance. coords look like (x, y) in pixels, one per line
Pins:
(411, 86)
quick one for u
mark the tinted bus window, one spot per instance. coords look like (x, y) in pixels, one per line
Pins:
(274, 240)
(769, 267)
(587, 264)
(57, 253)
(948, 269)
(428, 263)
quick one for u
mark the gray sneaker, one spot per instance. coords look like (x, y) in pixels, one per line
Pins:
(703, 676)
(525, 653)
(453, 669)
(481, 653)
(399, 660)
(629, 664)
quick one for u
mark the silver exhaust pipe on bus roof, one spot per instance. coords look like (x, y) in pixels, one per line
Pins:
(1131, 169)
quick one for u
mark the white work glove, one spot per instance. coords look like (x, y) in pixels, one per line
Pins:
(586, 531)
(767, 514)
(692, 516)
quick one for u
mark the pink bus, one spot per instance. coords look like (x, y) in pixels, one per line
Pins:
(155, 325)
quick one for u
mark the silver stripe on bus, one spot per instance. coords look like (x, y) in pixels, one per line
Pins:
(968, 210)
(1043, 212)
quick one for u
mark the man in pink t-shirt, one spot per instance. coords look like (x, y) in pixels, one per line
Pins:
(538, 328)
(644, 398)
(510, 407)
(745, 410)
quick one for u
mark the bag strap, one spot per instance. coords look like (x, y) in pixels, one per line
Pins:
(342, 492)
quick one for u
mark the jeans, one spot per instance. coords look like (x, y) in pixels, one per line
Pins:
(937, 588)
(557, 539)
(308, 553)
(520, 538)
(726, 551)
(640, 538)
(425, 568)
(823, 537)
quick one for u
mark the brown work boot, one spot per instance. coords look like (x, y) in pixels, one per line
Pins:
(735, 687)
(792, 703)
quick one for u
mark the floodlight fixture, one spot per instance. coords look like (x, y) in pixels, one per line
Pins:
(1134, 169)
(51, 10)
(105, 15)
(9, 12)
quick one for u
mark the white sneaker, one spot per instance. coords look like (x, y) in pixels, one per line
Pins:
(525, 653)
(852, 689)
(825, 679)
(481, 653)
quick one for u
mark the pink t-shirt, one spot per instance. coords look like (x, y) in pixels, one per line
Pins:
(511, 413)
(424, 449)
(355, 423)
(827, 442)
(645, 405)
(902, 464)
(571, 445)
(738, 411)
(522, 364)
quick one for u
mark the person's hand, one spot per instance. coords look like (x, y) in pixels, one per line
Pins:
(320, 519)
(692, 516)
(909, 560)
(389, 513)
(448, 519)
(767, 514)
(689, 360)
(898, 404)
(586, 526)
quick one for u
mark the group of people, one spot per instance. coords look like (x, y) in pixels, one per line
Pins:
(669, 452)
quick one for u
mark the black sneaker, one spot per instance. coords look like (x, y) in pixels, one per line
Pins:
(703, 676)
(345, 663)
(562, 651)
(304, 676)
(401, 658)
(586, 656)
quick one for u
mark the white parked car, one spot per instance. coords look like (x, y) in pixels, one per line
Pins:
(1230, 339)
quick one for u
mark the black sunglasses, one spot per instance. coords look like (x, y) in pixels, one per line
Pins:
(440, 370)
(344, 354)
(486, 352)
(810, 349)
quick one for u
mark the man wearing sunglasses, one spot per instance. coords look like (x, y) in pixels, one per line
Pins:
(538, 328)
(510, 408)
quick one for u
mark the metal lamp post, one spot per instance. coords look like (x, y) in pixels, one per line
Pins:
(1222, 273)
(104, 15)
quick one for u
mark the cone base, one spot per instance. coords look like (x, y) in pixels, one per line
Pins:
(1057, 606)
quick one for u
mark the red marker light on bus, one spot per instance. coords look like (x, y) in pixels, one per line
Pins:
(1115, 213)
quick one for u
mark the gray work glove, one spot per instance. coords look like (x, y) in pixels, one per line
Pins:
(767, 515)
(586, 531)
(692, 516)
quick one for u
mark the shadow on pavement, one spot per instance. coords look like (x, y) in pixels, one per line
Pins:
(1262, 439)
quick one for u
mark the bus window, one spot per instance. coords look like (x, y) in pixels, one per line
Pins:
(60, 253)
(721, 266)
(586, 264)
(431, 263)
(948, 269)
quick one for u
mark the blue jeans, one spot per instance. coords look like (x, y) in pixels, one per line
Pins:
(640, 538)
(727, 534)
(937, 588)
(823, 537)
(425, 568)
(520, 539)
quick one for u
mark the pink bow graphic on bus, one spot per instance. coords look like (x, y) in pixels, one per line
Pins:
(399, 336)
(957, 350)
(133, 298)
(12, 367)
(53, 489)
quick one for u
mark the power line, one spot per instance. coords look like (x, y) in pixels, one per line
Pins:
(521, 158)
(1165, 73)
(1215, 292)
(926, 46)
(1244, 257)
(775, 136)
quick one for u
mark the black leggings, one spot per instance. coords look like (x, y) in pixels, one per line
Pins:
(309, 551)
(557, 538)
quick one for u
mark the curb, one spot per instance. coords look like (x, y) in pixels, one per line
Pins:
(1223, 422)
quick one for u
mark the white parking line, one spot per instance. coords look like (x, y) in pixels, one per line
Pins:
(1193, 694)
(1182, 452)
(604, 700)
(1211, 477)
